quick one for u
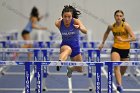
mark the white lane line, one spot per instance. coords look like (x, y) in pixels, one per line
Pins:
(70, 84)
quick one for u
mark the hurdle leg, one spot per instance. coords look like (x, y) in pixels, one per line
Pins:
(38, 78)
(45, 74)
(89, 67)
(136, 59)
(45, 58)
(3, 58)
(98, 77)
(97, 55)
(98, 72)
(27, 77)
(3, 53)
(110, 77)
(35, 59)
(90, 59)
(98, 69)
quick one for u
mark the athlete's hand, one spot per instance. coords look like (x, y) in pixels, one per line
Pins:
(101, 46)
(76, 26)
(60, 18)
(44, 28)
(119, 38)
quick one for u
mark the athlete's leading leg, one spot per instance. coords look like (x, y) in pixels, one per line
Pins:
(65, 51)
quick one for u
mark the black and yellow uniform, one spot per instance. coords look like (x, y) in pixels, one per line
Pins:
(120, 47)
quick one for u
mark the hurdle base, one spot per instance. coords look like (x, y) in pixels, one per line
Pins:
(45, 89)
(55, 89)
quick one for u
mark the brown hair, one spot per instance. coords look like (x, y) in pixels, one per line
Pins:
(69, 8)
(120, 11)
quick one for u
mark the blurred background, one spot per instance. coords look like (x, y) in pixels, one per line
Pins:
(96, 14)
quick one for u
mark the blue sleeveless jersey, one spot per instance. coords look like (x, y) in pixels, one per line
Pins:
(70, 35)
(28, 27)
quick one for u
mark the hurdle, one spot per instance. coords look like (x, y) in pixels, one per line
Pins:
(11, 44)
(69, 63)
(46, 50)
(85, 49)
(90, 55)
(50, 63)
(133, 52)
(9, 35)
(111, 64)
(21, 50)
(83, 44)
(90, 51)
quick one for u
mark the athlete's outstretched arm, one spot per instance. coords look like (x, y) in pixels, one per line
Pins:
(35, 26)
(78, 24)
(105, 36)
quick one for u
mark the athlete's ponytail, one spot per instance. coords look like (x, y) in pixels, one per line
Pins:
(34, 13)
(123, 19)
(69, 8)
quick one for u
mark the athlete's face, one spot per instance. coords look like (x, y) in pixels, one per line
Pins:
(67, 16)
(118, 17)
